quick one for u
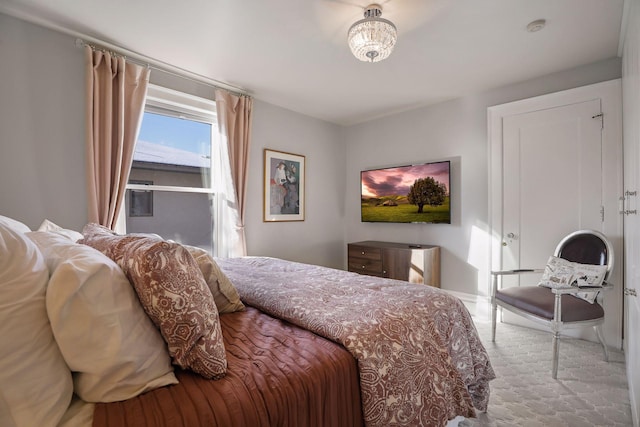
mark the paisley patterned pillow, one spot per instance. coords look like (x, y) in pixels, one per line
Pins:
(173, 293)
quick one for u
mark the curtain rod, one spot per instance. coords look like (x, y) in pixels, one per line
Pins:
(160, 66)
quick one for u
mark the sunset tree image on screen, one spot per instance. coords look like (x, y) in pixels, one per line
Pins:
(416, 193)
(426, 191)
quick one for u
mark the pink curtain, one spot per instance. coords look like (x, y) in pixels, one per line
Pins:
(234, 121)
(115, 97)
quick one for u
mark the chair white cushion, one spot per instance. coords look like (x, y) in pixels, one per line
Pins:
(560, 273)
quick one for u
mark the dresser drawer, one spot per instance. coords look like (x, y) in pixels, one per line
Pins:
(365, 260)
(365, 266)
(365, 252)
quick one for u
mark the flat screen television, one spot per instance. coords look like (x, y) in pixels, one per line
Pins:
(407, 194)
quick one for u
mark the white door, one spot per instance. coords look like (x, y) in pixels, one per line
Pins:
(631, 203)
(552, 168)
(631, 209)
(556, 167)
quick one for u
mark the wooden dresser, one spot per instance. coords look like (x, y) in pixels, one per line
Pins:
(415, 263)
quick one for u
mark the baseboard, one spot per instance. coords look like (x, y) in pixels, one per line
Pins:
(466, 297)
(633, 393)
(478, 305)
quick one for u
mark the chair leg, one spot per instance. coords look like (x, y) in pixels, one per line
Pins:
(494, 307)
(600, 336)
(556, 353)
(556, 325)
(494, 314)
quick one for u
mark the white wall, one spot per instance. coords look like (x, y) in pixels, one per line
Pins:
(319, 239)
(41, 126)
(455, 130)
(42, 172)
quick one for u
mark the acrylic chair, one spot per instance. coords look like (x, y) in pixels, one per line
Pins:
(559, 309)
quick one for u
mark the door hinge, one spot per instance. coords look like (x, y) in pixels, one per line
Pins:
(630, 292)
(602, 213)
(601, 117)
(625, 202)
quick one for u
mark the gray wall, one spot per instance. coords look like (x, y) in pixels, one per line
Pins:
(41, 126)
(319, 239)
(455, 130)
(42, 172)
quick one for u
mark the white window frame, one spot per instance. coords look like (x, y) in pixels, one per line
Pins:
(173, 103)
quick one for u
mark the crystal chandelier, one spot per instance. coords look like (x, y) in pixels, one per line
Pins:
(372, 39)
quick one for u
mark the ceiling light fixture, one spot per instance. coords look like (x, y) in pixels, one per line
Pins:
(372, 39)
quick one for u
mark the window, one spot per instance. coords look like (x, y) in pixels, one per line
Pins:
(141, 201)
(170, 189)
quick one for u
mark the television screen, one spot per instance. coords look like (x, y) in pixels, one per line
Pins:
(414, 193)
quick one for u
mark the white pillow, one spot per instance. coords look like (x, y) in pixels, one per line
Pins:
(14, 224)
(6, 419)
(105, 336)
(79, 414)
(35, 382)
(72, 235)
(560, 273)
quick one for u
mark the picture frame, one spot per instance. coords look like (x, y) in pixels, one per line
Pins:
(284, 186)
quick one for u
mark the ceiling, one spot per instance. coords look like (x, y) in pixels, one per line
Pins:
(293, 53)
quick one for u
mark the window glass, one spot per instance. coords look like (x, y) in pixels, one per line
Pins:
(169, 191)
(173, 151)
(182, 217)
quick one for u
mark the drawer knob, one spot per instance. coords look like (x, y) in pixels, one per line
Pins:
(363, 267)
(362, 252)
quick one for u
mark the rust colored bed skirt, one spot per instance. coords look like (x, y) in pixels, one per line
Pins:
(278, 375)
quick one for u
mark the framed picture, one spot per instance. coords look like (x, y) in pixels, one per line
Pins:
(283, 186)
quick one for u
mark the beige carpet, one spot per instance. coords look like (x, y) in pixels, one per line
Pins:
(588, 391)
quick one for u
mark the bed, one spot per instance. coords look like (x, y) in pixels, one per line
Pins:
(302, 345)
(277, 375)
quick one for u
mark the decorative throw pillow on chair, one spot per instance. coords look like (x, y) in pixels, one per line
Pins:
(560, 273)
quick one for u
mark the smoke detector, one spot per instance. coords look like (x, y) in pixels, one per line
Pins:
(536, 25)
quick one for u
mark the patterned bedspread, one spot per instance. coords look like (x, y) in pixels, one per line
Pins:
(419, 356)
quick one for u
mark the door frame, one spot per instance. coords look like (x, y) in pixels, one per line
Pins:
(610, 95)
